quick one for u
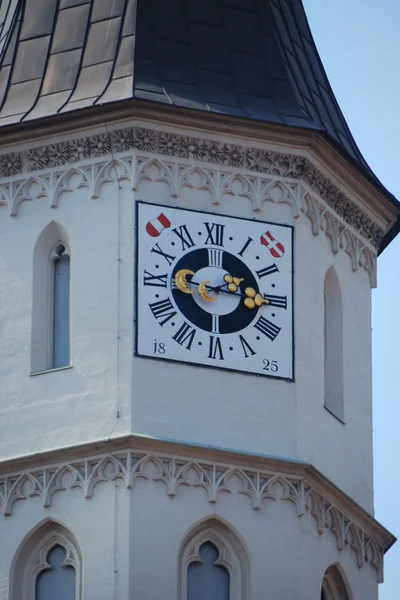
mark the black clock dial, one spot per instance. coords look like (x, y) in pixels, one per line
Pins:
(214, 264)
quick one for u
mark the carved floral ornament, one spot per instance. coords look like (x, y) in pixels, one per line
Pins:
(220, 168)
(260, 486)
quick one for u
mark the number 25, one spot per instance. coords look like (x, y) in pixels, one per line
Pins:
(270, 365)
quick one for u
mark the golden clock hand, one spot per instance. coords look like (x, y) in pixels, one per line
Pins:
(203, 291)
(253, 298)
(232, 282)
(180, 280)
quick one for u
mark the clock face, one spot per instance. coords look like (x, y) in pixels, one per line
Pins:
(214, 291)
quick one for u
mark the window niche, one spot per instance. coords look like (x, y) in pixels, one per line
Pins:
(333, 585)
(50, 346)
(333, 341)
(213, 564)
(208, 576)
(47, 565)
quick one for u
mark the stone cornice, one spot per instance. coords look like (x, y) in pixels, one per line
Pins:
(262, 479)
(322, 150)
(208, 151)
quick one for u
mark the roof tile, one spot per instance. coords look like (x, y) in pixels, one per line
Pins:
(250, 75)
(217, 87)
(242, 31)
(107, 9)
(102, 41)
(212, 55)
(71, 28)
(61, 72)
(20, 97)
(38, 18)
(92, 81)
(124, 64)
(69, 3)
(48, 105)
(31, 59)
(129, 21)
(118, 89)
(206, 12)
(175, 63)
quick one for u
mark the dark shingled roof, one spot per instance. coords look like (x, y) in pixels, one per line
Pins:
(248, 58)
(254, 59)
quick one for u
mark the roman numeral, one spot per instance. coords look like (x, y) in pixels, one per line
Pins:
(155, 280)
(157, 250)
(215, 258)
(278, 301)
(267, 271)
(185, 336)
(215, 324)
(246, 347)
(267, 328)
(247, 244)
(215, 348)
(163, 310)
(185, 237)
(215, 234)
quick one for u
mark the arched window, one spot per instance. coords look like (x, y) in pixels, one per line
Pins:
(213, 564)
(60, 301)
(47, 565)
(57, 579)
(333, 345)
(334, 586)
(207, 579)
(50, 347)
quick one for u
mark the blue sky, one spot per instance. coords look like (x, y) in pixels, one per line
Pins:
(359, 44)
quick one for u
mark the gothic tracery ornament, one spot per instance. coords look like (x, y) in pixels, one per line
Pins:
(265, 168)
(260, 486)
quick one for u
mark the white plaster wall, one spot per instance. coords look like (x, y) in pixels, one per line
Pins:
(343, 452)
(73, 406)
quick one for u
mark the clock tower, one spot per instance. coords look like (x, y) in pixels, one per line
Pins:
(189, 238)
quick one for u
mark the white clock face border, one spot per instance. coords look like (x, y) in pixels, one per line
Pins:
(185, 311)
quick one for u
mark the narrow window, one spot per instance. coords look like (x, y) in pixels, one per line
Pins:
(333, 345)
(213, 564)
(50, 342)
(206, 580)
(61, 274)
(58, 579)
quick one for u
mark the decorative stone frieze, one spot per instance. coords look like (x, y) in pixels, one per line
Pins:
(260, 486)
(259, 175)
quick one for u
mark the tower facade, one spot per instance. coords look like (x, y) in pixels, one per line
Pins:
(189, 238)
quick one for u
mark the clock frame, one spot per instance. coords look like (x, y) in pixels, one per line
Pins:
(214, 291)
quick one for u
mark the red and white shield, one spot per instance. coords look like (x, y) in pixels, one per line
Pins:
(156, 226)
(276, 248)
